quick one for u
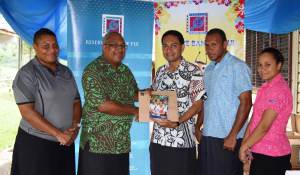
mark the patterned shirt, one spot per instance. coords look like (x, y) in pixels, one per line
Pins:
(106, 134)
(224, 83)
(277, 96)
(187, 81)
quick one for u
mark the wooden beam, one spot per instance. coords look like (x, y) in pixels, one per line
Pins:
(5, 32)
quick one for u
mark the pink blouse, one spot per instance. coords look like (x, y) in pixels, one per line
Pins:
(277, 96)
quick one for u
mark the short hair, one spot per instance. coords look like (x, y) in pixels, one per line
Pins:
(174, 33)
(278, 57)
(108, 34)
(219, 31)
(41, 32)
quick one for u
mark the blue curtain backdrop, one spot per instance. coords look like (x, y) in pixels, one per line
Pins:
(272, 16)
(86, 19)
(28, 16)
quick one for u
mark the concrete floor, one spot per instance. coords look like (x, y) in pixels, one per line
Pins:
(5, 161)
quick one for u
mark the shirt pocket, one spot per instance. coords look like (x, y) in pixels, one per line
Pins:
(130, 89)
(124, 94)
(225, 82)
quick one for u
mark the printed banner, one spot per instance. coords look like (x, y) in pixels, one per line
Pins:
(88, 22)
(194, 19)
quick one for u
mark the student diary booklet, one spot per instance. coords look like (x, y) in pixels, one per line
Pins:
(161, 104)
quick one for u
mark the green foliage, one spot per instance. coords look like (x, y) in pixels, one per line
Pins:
(26, 53)
(9, 58)
(163, 97)
(9, 120)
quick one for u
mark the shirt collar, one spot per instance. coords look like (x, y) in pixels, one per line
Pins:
(167, 64)
(274, 81)
(223, 61)
(38, 63)
(103, 61)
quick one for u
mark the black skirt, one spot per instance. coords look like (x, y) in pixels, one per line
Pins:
(263, 164)
(36, 156)
(102, 164)
(166, 160)
(214, 160)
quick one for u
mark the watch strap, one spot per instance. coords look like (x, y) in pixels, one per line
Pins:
(78, 124)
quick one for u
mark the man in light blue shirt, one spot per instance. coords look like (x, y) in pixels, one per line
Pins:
(228, 85)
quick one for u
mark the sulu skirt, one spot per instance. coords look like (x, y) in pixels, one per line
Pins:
(263, 164)
(36, 156)
(102, 164)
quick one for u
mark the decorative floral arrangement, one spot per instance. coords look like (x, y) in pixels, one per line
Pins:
(235, 13)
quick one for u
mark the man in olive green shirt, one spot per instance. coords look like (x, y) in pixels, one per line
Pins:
(110, 91)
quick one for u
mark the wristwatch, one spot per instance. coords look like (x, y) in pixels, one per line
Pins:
(178, 123)
(78, 124)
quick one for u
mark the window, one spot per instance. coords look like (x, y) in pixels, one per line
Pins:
(257, 41)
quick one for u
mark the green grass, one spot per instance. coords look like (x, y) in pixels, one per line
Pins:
(9, 118)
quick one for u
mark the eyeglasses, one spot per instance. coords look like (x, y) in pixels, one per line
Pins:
(123, 46)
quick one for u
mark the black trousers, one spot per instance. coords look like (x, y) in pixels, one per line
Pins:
(36, 156)
(102, 164)
(214, 160)
(263, 164)
(166, 160)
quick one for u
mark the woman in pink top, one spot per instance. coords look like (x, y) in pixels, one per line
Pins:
(266, 132)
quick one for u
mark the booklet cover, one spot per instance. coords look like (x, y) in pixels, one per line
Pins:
(161, 104)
